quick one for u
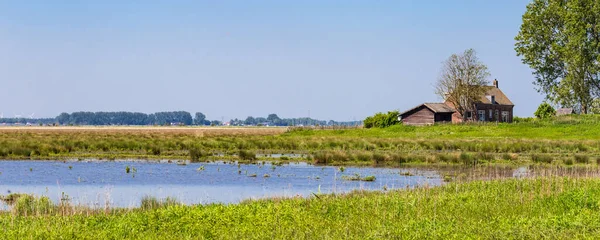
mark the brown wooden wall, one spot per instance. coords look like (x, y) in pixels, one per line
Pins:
(420, 116)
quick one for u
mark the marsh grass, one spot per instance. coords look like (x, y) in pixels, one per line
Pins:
(358, 177)
(538, 208)
(149, 202)
(528, 141)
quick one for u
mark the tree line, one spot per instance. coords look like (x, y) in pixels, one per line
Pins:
(167, 118)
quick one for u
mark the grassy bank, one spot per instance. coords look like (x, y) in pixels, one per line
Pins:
(568, 140)
(522, 209)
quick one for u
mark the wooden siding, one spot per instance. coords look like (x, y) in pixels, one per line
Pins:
(421, 116)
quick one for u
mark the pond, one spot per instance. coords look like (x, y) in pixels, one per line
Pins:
(123, 183)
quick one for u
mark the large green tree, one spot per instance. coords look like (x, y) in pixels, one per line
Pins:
(560, 41)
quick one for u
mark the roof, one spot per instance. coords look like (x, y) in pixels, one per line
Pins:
(498, 95)
(564, 111)
(434, 107)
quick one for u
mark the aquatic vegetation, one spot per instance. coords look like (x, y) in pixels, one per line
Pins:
(266, 175)
(358, 177)
(252, 175)
(127, 169)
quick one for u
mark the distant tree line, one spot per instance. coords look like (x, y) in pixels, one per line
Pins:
(125, 118)
(168, 118)
(274, 120)
(24, 121)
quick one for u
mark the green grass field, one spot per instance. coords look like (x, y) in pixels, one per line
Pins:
(543, 208)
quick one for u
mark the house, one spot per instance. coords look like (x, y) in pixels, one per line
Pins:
(493, 106)
(427, 113)
(564, 111)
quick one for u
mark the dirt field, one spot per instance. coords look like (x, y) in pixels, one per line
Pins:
(199, 131)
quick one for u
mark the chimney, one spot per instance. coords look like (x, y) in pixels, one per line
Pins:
(496, 83)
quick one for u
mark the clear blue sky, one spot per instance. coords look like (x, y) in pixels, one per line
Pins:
(340, 60)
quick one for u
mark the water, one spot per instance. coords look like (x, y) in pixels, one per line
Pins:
(98, 183)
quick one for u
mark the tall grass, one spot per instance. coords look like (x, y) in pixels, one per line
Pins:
(531, 141)
(542, 208)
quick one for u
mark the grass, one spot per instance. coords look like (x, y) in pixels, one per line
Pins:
(357, 177)
(542, 208)
(574, 137)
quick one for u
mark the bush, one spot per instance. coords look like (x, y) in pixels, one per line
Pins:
(544, 111)
(246, 155)
(382, 120)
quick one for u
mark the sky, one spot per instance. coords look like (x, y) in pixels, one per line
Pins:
(341, 60)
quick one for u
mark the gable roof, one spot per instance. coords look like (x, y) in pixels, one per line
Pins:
(434, 107)
(498, 95)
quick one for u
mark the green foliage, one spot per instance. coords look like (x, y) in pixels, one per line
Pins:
(382, 120)
(559, 40)
(246, 155)
(545, 111)
(544, 208)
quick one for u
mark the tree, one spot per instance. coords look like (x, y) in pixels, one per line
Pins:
(462, 81)
(560, 41)
(199, 118)
(250, 121)
(273, 117)
(545, 110)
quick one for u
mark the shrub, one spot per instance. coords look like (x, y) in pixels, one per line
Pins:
(246, 155)
(382, 120)
(544, 111)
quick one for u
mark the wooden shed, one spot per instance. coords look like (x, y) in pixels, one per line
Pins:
(427, 113)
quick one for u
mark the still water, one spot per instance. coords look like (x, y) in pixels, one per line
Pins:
(98, 183)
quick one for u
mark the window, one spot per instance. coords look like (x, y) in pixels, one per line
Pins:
(504, 116)
(468, 114)
(493, 100)
(490, 114)
(481, 114)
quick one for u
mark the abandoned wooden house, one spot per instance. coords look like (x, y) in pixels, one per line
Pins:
(493, 106)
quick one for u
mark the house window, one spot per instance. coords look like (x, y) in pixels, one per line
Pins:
(490, 114)
(497, 116)
(481, 114)
(468, 114)
(504, 116)
(493, 100)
